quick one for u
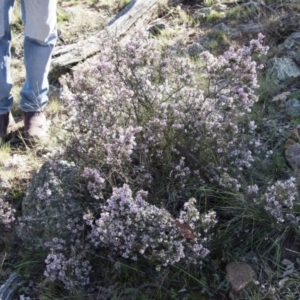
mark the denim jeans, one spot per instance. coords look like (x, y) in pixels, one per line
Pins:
(39, 19)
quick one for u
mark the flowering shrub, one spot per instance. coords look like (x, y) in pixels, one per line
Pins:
(142, 119)
(131, 226)
(68, 259)
(95, 182)
(141, 110)
(280, 201)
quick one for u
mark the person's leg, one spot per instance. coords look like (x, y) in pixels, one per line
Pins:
(39, 18)
(6, 99)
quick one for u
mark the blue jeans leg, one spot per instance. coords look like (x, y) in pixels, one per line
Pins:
(37, 58)
(39, 18)
(6, 99)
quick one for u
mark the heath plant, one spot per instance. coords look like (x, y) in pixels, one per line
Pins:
(215, 16)
(141, 228)
(280, 201)
(150, 130)
(141, 110)
(69, 265)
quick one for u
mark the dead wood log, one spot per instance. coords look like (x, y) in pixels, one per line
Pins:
(136, 14)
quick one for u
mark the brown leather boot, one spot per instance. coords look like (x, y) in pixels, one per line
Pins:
(35, 125)
(6, 121)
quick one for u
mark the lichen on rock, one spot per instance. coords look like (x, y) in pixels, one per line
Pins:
(50, 203)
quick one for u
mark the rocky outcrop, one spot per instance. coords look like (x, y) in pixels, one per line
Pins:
(292, 107)
(282, 70)
(202, 13)
(292, 154)
(291, 47)
(49, 203)
(231, 32)
(285, 69)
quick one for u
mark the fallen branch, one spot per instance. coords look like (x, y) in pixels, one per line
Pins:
(136, 14)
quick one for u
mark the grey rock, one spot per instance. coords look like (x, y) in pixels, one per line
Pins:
(294, 135)
(291, 47)
(156, 28)
(219, 7)
(178, 51)
(202, 13)
(50, 203)
(240, 274)
(195, 49)
(295, 56)
(251, 5)
(205, 41)
(292, 107)
(292, 42)
(282, 70)
(292, 156)
(233, 33)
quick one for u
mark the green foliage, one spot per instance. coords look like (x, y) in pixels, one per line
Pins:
(210, 2)
(123, 3)
(4, 152)
(295, 94)
(116, 5)
(63, 16)
(239, 13)
(214, 16)
(30, 263)
(218, 42)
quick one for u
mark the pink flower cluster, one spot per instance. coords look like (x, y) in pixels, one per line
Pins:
(68, 260)
(7, 214)
(144, 118)
(146, 104)
(130, 226)
(96, 183)
(280, 200)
